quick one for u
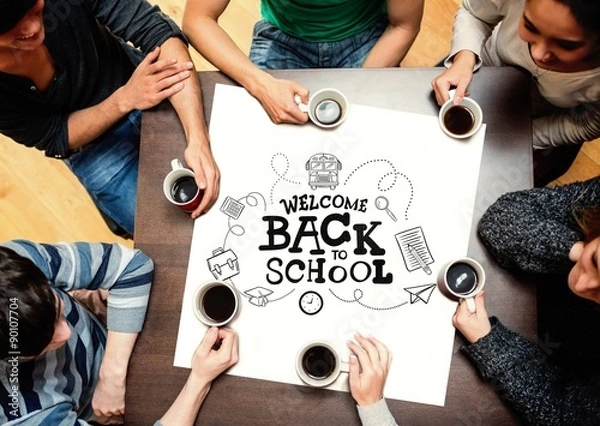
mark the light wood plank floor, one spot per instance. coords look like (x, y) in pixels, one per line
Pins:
(41, 200)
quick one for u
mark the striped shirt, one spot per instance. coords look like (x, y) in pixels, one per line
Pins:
(56, 388)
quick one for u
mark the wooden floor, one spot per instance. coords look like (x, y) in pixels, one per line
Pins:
(41, 200)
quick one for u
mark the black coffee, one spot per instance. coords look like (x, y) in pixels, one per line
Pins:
(459, 120)
(318, 362)
(184, 189)
(218, 303)
(328, 111)
(461, 278)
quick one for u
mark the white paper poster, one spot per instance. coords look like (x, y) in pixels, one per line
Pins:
(326, 233)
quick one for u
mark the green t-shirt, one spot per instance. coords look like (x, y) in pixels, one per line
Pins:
(322, 20)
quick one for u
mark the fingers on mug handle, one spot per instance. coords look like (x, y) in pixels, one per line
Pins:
(470, 301)
(303, 107)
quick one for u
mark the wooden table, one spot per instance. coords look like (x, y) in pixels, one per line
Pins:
(165, 235)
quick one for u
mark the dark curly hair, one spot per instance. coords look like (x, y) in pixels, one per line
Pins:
(28, 308)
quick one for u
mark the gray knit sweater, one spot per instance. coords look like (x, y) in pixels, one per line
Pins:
(533, 230)
(542, 393)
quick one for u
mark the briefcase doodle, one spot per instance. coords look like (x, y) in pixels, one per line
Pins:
(223, 264)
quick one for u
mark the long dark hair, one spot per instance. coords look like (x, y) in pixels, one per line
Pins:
(27, 306)
(586, 13)
(588, 219)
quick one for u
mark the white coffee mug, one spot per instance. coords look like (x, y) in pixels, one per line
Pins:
(179, 187)
(327, 108)
(462, 278)
(318, 364)
(216, 303)
(460, 121)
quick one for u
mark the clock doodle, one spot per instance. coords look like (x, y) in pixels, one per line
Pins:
(311, 303)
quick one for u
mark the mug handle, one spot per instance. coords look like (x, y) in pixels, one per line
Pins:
(176, 164)
(470, 304)
(344, 366)
(303, 107)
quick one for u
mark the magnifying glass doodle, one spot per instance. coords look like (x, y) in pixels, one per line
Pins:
(383, 203)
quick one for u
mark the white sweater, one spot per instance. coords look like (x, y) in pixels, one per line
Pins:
(565, 106)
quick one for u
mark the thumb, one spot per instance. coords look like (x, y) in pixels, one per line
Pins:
(208, 341)
(353, 372)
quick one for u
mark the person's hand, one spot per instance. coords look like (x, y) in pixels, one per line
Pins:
(216, 353)
(199, 158)
(459, 75)
(369, 367)
(472, 325)
(108, 401)
(584, 277)
(277, 98)
(153, 81)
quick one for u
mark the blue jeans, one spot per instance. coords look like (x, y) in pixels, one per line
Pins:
(108, 169)
(273, 49)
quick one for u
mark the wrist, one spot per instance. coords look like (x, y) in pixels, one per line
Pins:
(367, 402)
(465, 59)
(257, 82)
(120, 101)
(198, 385)
(113, 371)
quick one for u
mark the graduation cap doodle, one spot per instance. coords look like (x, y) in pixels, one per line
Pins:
(258, 296)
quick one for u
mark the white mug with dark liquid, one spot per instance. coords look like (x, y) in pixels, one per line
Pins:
(460, 121)
(179, 187)
(327, 108)
(462, 278)
(318, 364)
(216, 303)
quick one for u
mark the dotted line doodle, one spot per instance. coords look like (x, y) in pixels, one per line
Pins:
(410, 197)
(280, 174)
(358, 294)
(393, 173)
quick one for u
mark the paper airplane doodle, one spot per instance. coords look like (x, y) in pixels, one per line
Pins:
(420, 293)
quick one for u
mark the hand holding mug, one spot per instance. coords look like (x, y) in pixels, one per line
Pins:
(459, 75)
(369, 367)
(208, 362)
(472, 325)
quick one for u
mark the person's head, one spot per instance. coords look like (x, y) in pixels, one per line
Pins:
(21, 24)
(563, 35)
(584, 278)
(31, 320)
